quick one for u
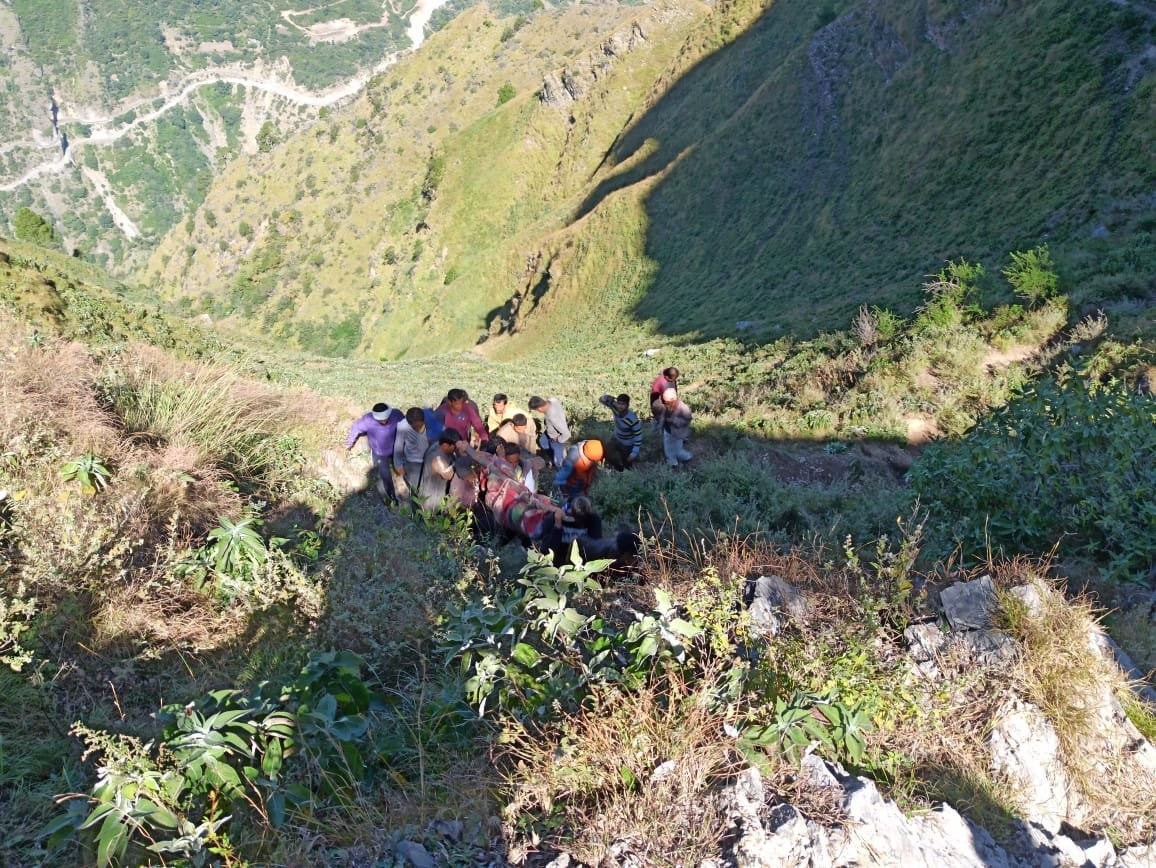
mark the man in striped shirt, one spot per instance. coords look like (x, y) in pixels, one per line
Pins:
(623, 449)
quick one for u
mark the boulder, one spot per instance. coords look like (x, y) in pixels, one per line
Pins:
(773, 601)
(1025, 751)
(876, 832)
(968, 605)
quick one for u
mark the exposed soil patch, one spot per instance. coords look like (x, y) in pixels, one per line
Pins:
(921, 429)
(998, 359)
(806, 464)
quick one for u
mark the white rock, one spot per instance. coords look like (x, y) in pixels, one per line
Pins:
(1026, 751)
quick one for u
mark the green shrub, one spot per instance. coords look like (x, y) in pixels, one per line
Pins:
(949, 295)
(1032, 275)
(29, 226)
(506, 93)
(89, 470)
(217, 753)
(1062, 464)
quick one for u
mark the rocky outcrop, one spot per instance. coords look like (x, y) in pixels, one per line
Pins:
(566, 86)
(773, 601)
(875, 832)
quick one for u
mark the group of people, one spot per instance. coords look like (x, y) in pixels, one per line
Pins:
(450, 458)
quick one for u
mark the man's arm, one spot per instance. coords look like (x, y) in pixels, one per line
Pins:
(557, 419)
(399, 449)
(635, 429)
(356, 431)
(563, 474)
(443, 467)
(475, 422)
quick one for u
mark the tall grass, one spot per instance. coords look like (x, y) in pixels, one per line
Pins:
(212, 411)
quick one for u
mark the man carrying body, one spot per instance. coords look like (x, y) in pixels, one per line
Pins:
(519, 432)
(437, 472)
(557, 433)
(668, 379)
(409, 451)
(575, 477)
(501, 411)
(673, 417)
(460, 415)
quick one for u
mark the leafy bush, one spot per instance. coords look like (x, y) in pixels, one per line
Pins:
(535, 652)
(172, 797)
(1032, 275)
(29, 226)
(948, 296)
(1062, 464)
(17, 611)
(89, 470)
(506, 93)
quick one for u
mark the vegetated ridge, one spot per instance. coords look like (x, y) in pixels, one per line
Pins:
(92, 133)
(217, 642)
(697, 171)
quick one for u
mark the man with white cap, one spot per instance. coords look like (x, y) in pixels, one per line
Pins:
(673, 416)
(379, 428)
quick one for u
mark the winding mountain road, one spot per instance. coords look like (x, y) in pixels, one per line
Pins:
(105, 132)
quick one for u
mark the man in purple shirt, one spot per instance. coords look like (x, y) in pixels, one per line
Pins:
(379, 428)
(461, 415)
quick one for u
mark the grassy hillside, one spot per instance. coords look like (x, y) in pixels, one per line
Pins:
(217, 642)
(398, 226)
(773, 168)
(60, 296)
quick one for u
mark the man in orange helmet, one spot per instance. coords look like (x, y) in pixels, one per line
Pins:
(576, 475)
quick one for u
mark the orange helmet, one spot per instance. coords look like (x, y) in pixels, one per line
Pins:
(592, 450)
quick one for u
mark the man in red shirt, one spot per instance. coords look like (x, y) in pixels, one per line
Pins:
(461, 416)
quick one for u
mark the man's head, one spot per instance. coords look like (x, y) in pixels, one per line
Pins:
(381, 412)
(582, 505)
(448, 440)
(669, 396)
(622, 403)
(520, 421)
(592, 450)
(415, 416)
(671, 374)
(500, 402)
(511, 452)
(456, 398)
(536, 403)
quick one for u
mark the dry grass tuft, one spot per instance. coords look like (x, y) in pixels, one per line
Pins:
(1063, 673)
(641, 769)
(52, 387)
(173, 618)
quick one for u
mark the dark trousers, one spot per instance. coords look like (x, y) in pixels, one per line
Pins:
(384, 465)
(617, 455)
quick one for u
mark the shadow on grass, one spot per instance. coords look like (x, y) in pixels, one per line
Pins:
(829, 156)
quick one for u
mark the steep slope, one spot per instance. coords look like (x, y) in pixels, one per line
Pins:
(399, 225)
(117, 113)
(767, 169)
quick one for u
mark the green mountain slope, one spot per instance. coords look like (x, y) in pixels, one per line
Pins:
(116, 114)
(835, 164)
(696, 171)
(400, 225)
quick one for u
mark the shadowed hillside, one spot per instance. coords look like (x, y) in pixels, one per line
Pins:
(673, 171)
(839, 155)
